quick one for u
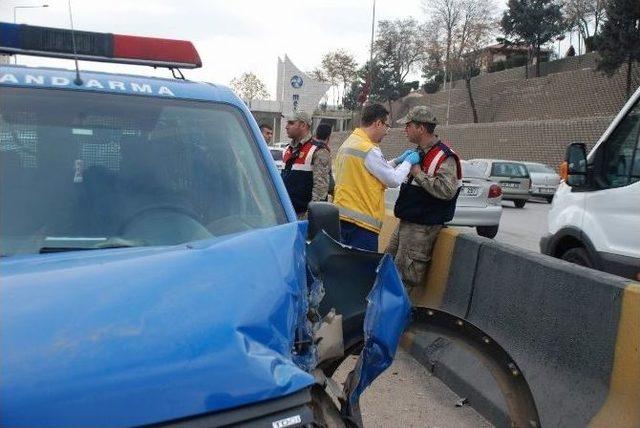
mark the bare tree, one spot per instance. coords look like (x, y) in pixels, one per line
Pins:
(476, 32)
(318, 74)
(398, 49)
(461, 28)
(339, 67)
(444, 17)
(249, 87)
(582, 13)
(433, 63)
(399, 46)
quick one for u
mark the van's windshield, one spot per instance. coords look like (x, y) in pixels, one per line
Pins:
(87, 170)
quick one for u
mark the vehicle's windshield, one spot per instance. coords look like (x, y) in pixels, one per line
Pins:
(86, 170)
(469, 170)
(540, 168)
(508, 169)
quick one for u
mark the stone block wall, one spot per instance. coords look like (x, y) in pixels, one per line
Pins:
(538, 141)
(522, 119)
(568, 89)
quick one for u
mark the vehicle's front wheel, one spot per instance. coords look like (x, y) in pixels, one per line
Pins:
(549, 198)
(519, 203)
(487, 231)
(578, 256)
(325, 411)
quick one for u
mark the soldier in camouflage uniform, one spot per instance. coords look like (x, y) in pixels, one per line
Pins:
(307, 164)
(427, 198)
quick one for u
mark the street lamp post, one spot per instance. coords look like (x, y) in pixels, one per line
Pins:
(373, 26)
(15, 8)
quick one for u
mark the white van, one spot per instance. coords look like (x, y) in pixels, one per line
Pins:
(595, 216)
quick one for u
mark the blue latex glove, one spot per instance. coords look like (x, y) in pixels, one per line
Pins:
(403, 156)
(413, 158)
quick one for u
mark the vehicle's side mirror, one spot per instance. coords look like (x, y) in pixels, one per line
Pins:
(323, 216)
(574, 168)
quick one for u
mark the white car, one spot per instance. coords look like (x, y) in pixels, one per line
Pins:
(278, 156)
(479, 203)
(280, 145)
(544, 180)
(512, 177)
(595, 215)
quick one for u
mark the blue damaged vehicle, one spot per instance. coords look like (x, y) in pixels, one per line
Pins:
(153, 270)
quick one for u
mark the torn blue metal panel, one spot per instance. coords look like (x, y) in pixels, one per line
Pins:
(305, 352)
(142, 335)
(348, 275)
(388, 309)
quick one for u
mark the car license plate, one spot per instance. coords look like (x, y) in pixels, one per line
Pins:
(510, 185)
(469, 191)
(546, 190)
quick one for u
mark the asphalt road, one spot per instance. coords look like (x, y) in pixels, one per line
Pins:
(407, 395)
(522, 227)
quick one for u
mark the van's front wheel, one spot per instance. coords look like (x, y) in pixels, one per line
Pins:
(578, 256)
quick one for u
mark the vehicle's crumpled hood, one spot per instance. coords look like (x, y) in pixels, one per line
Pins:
(136, 336)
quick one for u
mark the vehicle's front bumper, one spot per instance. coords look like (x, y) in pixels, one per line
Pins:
(290, 411)
(477, 216)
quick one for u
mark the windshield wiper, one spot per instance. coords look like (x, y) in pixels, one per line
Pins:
(62, 244)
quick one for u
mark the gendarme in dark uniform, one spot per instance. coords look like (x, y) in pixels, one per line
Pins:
(427, 198)
(307, 164)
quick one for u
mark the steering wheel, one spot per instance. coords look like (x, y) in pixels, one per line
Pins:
(235, 223)
(165, 225)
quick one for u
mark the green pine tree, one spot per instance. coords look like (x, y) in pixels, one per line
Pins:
(533, 22)
(619, 41)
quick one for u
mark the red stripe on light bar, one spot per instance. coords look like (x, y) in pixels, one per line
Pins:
(152, 49)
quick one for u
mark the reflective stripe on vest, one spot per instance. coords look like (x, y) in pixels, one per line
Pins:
(354, 152)
(435, 163)
(346, 212)
(431, 163)
(359, 195)
(297, 174)
(304, 156)
(306, 165)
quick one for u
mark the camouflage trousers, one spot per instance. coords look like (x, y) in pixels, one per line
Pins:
(411, 245)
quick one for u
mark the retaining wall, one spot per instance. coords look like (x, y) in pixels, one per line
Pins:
(538, 141)
(567, 89)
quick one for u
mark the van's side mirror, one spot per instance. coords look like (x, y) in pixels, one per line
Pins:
(574, 168)
(323, 216)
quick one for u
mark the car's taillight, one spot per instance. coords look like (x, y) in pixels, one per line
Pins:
(495, 191)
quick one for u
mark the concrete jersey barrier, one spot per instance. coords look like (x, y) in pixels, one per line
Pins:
(574, 332)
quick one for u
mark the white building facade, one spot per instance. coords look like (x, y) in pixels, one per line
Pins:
(295, 91)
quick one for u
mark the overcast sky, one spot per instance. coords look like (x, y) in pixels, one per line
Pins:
(231, 36)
